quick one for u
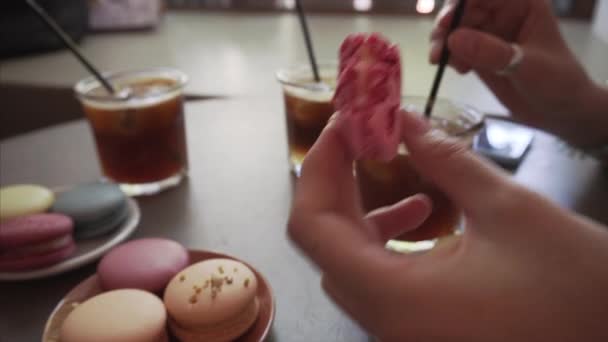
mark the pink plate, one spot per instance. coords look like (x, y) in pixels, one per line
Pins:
(90, 287)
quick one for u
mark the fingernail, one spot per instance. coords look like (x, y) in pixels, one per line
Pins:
(436, 134)
(437, 34)
(442, 16)
(415, 125)
(424, 200)
(435, 50)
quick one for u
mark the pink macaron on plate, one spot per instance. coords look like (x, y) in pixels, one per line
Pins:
(86, 251)
(91, 287)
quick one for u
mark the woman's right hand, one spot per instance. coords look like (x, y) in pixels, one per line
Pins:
(549, 90)
(523, 270)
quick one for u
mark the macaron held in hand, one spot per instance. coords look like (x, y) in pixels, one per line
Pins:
(368, 96)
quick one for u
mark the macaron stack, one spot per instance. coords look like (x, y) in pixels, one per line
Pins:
(35, 241)
(30, 238)
(25, 199)
(38, 228)
(212, 300)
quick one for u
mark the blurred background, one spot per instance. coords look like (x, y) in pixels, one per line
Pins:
(22, 33)
(570, 8)
(234, 47)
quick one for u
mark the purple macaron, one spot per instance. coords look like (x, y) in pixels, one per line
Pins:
(35, 241)
(145, 264)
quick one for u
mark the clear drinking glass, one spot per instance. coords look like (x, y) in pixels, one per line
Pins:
(140, 133)
(308, 107)
(386, 183)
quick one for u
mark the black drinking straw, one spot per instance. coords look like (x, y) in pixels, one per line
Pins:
(311, 53)
(444, 59)
(69, 43)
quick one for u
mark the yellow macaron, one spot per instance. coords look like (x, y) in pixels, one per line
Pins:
(126, 315)
(24, 199)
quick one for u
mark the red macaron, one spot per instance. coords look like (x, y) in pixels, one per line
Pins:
(35, 241)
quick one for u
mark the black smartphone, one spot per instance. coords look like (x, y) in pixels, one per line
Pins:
(503, 141)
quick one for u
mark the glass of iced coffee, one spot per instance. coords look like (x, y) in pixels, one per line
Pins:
(308, 107)
(383, 184)
(139, 131)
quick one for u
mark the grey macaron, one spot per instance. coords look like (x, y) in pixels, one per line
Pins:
(96, 208)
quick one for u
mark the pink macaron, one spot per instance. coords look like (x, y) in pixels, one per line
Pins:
(35, 241)
(145, 264)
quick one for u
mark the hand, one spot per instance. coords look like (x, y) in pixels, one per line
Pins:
(524, 269)
(549, 90)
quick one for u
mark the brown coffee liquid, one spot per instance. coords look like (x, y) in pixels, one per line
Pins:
(141, 145)
(383, 184)
(305, 122)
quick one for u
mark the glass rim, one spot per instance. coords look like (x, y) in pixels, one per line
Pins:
(83, 87)
(471, 114)
(282, 75)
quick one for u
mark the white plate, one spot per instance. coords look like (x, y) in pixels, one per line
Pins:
(87, 251)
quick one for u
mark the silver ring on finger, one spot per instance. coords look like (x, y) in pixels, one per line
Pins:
(514, 63)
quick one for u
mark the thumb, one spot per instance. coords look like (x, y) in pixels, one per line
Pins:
(466, 179)
(482, 51)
